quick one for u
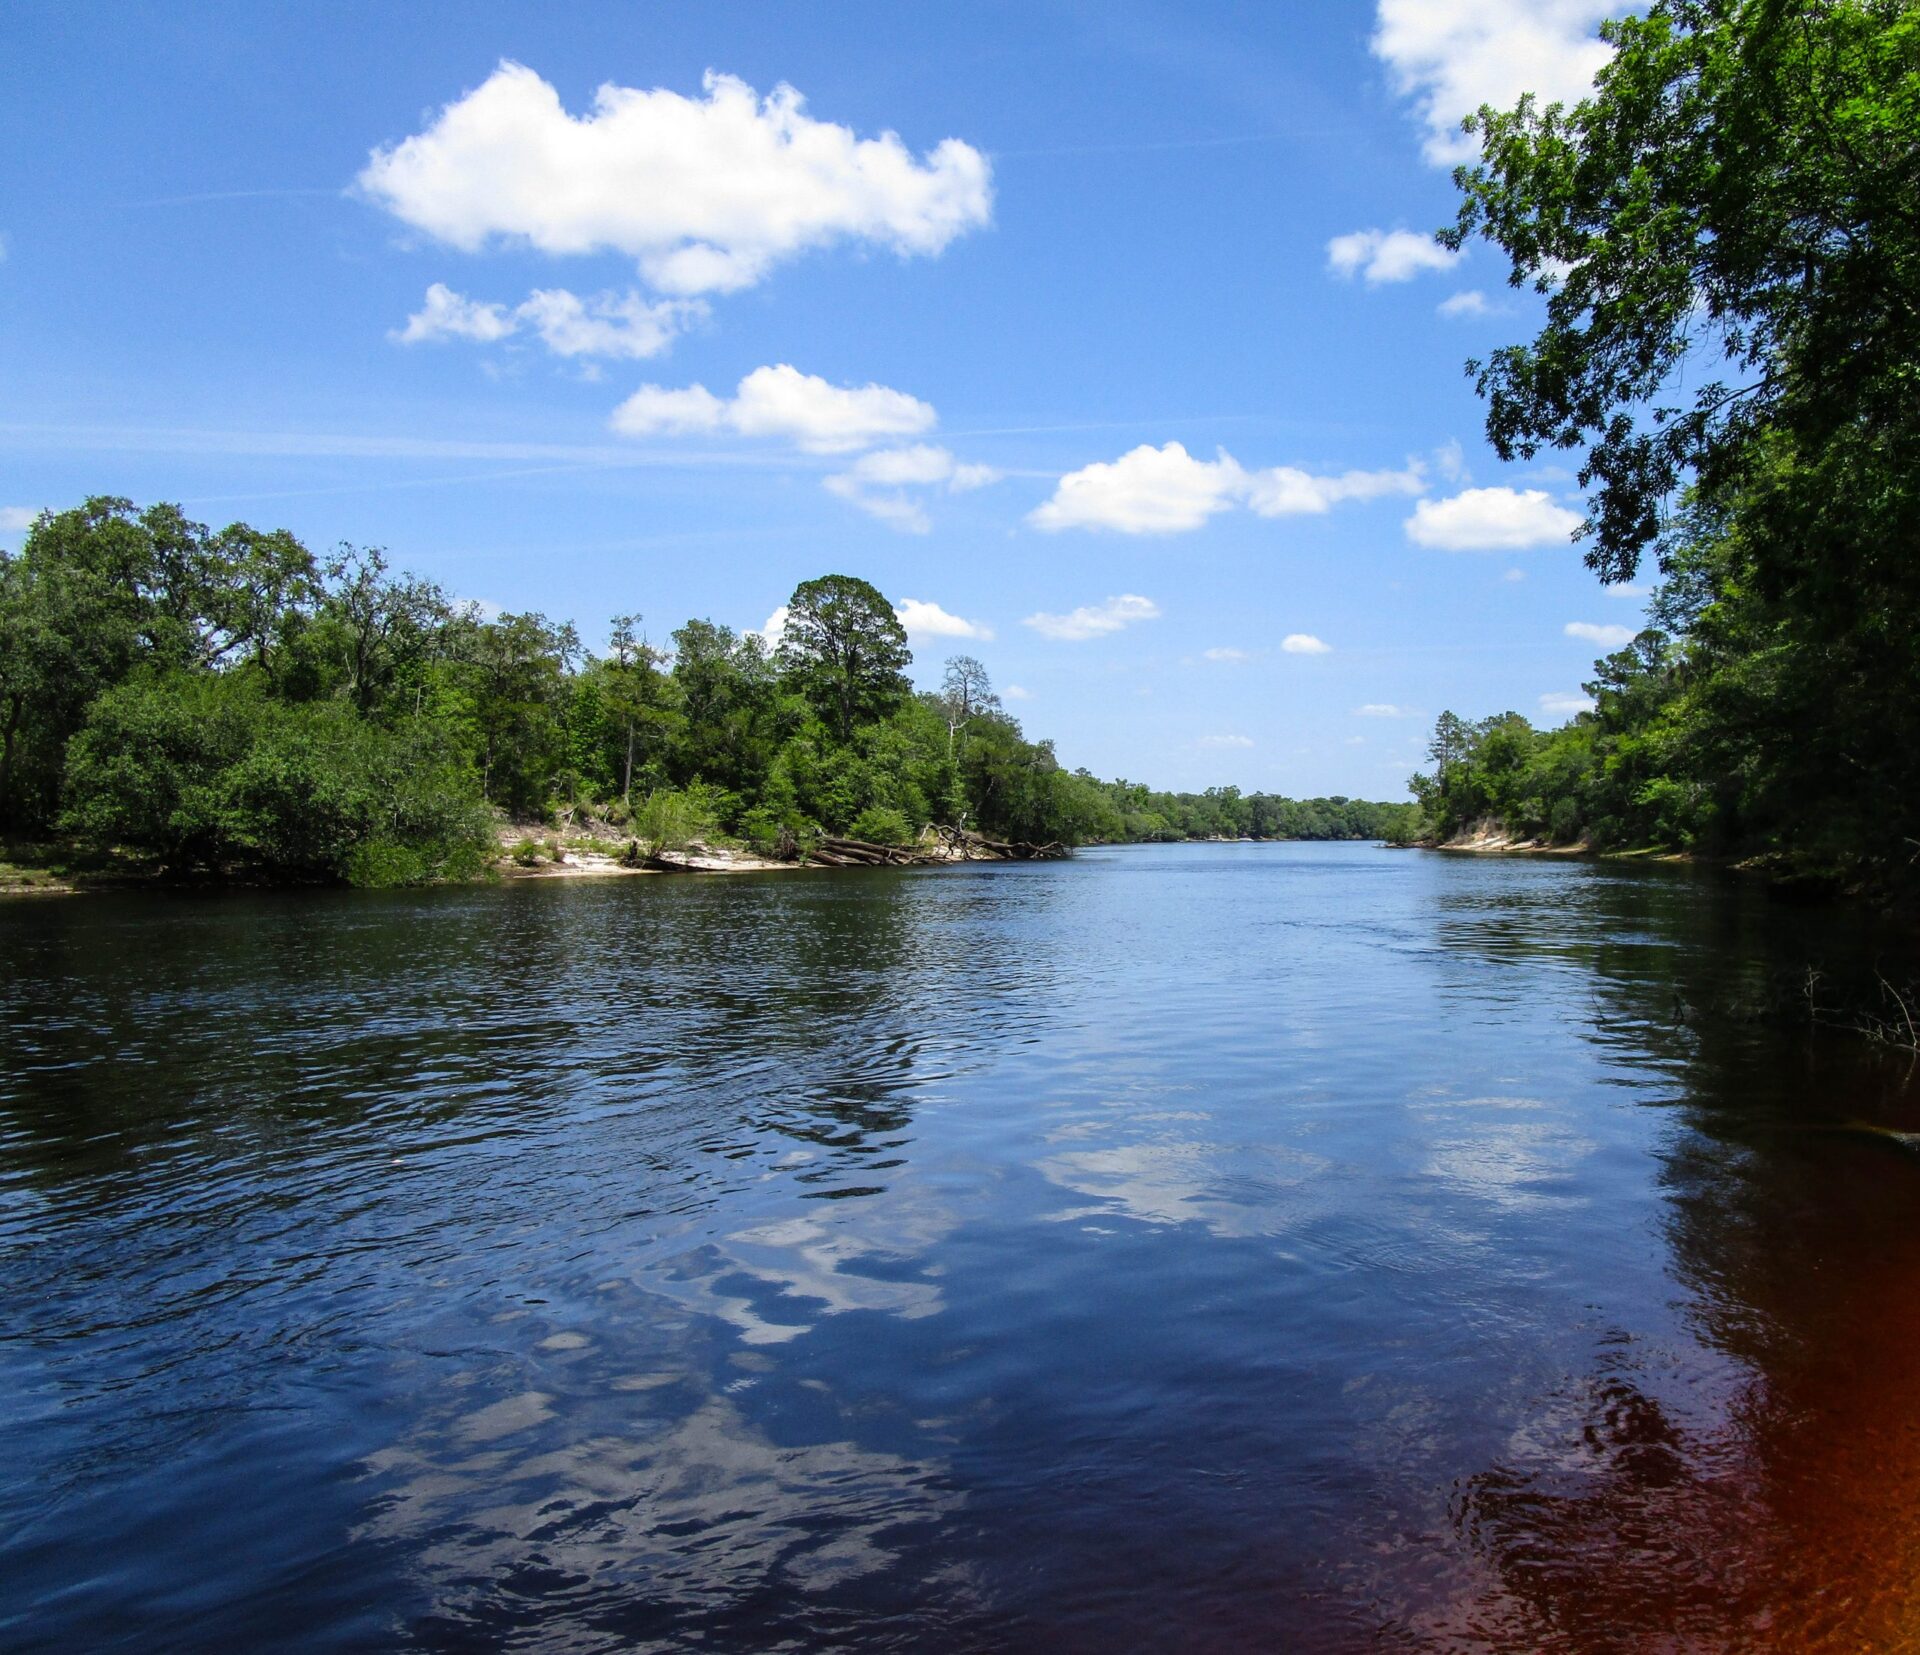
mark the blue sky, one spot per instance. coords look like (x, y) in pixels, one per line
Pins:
(406, 276)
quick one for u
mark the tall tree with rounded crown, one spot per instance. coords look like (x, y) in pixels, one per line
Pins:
(846, 650)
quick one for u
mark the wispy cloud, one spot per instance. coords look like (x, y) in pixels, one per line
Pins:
(129, 439)
(1095, 620)
(1606, 636)
(615, 325)
(878, 483)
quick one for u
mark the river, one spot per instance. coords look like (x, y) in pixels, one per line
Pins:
(1202, 1248)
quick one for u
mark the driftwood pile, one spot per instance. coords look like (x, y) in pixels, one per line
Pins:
(937, 845)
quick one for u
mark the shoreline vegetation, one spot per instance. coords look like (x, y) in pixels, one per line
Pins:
(1723, 241)
(186, 705)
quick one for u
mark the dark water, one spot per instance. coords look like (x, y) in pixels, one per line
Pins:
(1203, 1248)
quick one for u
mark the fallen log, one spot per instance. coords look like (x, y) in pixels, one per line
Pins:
(833, 852)
(939, 845)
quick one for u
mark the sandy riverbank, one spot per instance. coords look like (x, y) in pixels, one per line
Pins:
(593, 859)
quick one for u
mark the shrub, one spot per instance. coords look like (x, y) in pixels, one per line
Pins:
(882, 825)
(768, 831)
(670, 820)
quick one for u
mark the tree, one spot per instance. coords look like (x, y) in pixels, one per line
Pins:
(1740, 197)
(846, 649)
(382, 628)
(210, 773)
(965, 689)
(727, 699)
(74, 620)
(520, 671)
(633, 674)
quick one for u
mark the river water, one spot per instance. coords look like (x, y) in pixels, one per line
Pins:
(1197, 1248)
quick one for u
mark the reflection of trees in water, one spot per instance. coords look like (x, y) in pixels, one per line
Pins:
(209, 1106)
(822, 1008)
(212, 1032)
(1763, 1492)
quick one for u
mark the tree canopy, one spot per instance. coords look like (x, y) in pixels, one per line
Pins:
(847, 649)
(227, 704)
(1727, 238)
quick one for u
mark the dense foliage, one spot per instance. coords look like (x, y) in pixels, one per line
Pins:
(224, 703)
(1728, 237)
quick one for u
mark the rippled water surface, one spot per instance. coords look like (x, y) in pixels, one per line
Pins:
(1199, 1248)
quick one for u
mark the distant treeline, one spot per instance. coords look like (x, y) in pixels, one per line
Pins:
(1227, 813)
(222, 702)
(1727, 242)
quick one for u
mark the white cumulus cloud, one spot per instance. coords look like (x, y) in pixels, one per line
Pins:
(1380, 256)
(1283, 491)
(1166, 490)
(1146, 491)
(1606, 636)
(1451, 56)
(1380, 709)
(610, 324)
(1491, 520)
(1470, 303)
(706, 194)
(1226, 741)
(1014, 692)
(1095, 620)
(450, 315)
(779, 402)
(1304, 643)
(929, 620)
(774, 630)
(1224, 654)
(17, 519)
(1564, 704)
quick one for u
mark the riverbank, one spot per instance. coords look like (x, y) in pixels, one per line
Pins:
(525, 851)
(536, 852)
(1491, 838)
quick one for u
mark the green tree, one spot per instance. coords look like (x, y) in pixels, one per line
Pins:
(633, 695)
(1739, 194)
(846, 649)
(519, 671)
